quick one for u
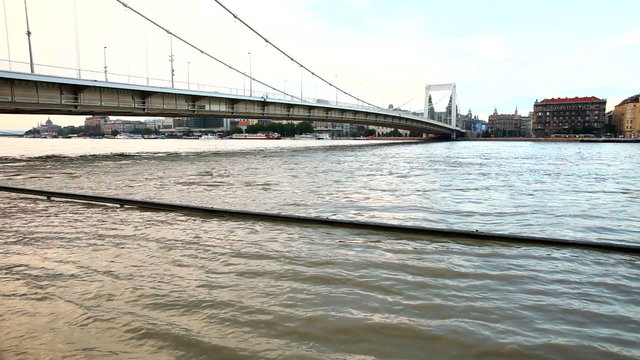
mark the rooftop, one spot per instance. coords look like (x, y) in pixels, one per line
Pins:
(632, 99)
(569, 100)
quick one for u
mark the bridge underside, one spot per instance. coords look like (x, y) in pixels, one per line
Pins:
(34, 94)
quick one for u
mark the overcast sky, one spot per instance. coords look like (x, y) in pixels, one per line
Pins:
(500, 53)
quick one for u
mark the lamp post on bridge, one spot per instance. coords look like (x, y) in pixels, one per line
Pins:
(336, 81)
(188, 75)
(29, 38)
(6, 30)
(77, 36)
(171, 59)
(250, 77)
(105, 64)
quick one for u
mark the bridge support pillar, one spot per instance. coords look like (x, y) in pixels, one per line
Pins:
(454, 100)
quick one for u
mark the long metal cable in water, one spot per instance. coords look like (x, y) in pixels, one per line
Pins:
(365, 225)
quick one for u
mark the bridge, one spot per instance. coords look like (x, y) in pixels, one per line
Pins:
(8, 134)
(25, 93)
(45, 92)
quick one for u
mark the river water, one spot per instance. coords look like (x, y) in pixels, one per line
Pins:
(94, 281)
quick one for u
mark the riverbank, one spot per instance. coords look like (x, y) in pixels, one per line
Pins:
(611, 140)
(402, 138)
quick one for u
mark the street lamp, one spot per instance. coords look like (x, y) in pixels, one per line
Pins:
(336, 90)
(171, 58)
(26, 14)
(75, 20)
(6, 28)
(105, 64)
(250, 77)
(188, 75)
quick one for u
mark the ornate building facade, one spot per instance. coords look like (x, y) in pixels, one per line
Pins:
(48, 129)
(578, 115)
(626, 117)
(508, 125)
(471, 124)
(94, 125)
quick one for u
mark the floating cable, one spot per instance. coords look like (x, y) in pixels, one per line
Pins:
(204, 52)
(292, 59)
(630, 249)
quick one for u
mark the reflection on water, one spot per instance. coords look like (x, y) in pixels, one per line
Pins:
(92, 281)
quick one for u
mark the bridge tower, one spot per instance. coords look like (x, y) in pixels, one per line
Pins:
(454, 101)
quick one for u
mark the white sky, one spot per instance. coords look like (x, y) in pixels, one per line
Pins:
(500, 53)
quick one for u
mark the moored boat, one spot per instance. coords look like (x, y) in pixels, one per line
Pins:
(258, 136)
(210, 137)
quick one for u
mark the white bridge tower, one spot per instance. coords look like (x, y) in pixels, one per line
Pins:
(454, 100)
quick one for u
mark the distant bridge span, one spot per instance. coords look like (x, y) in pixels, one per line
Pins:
(22, 93)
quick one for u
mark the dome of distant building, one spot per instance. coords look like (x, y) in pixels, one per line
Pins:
(49, 129)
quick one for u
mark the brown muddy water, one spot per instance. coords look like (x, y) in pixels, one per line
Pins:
(85, 281)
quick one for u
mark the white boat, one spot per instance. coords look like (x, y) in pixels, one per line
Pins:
(210, 137)
(258, 136)
(313, 136)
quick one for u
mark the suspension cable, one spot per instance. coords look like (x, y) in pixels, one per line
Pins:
(413, 98)
(291, 58)
(206, 53)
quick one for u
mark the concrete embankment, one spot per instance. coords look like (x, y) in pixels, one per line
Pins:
(403, 138)
(525, 139)
(612, 140)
